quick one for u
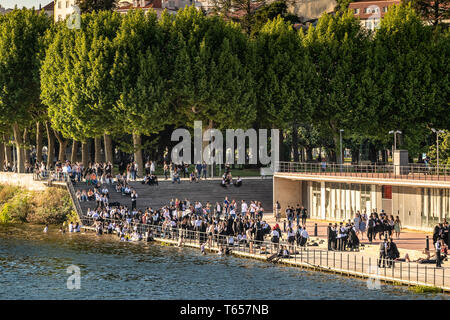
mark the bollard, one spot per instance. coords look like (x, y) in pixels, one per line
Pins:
(315, 230)
(428, 243)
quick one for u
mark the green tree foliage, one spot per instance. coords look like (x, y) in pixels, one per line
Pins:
(211, 76)
(21, 41)
(338, 47)
(270, 12)
(242, 11)
(88, 6)
(409, 81)
(286, 76)
(444, 149)
(77, 84)
(433, 11)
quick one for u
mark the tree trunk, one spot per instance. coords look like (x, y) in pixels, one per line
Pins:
(109, 157)
(295, 141)
(309, 155)
(98, 149)
(20, 166)
(51, 145)
(73, 156)
(62, 146)
(8, 155)
(38, 141)
(2, 155)
(26, 149)
(138, 152)
(84, 154)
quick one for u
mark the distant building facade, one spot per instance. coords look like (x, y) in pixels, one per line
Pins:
(370, 13)
(63, 9)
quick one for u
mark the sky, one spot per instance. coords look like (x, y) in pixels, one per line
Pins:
(23, 3)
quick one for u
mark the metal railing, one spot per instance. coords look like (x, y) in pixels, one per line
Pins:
(410, 172)
(50, 175)
(342, 262)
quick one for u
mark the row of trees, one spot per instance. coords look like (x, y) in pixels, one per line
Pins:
(140, 77)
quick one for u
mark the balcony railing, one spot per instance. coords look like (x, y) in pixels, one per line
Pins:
(409, 172)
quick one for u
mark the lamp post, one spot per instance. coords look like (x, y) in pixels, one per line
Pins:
(395, 141)
(395, 137)
(437, 147)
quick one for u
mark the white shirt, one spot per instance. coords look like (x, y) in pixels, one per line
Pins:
(304, 234)
(244, 207)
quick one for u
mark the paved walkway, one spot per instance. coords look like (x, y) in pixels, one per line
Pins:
(412, 242)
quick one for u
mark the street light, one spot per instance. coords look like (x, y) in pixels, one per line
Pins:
(437, 146)
(395, 137)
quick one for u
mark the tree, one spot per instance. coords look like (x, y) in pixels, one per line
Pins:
(242, 11)
(21, 40)
(141, 107)
(444, 150)
(269, 12)
(286, 87)
(81, 64)
(89, 6)
(338, 47)
(410, 78)
(433, 11)
(211, 78)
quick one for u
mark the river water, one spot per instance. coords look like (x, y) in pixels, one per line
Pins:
(33, 265)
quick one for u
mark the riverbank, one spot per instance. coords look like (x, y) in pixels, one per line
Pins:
(351, 264)
(49, 206)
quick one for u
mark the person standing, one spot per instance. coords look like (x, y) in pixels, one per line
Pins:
(383, 253)
(204, 167)
(133, 199)
(304, 216)
(329, 235)
(397, 227)
(277, 212)
(370, 228)
(438, 247)
(298, 213)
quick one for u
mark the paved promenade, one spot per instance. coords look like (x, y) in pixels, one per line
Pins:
(411, 242)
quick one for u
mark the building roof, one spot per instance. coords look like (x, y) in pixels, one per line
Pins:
(366, 4)
(49, 7)
(125, 6)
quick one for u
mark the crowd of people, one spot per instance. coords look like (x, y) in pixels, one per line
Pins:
(228, 221)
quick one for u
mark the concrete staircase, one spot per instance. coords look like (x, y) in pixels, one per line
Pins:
(209, 190)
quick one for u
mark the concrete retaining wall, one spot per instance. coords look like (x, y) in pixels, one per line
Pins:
(23, 180)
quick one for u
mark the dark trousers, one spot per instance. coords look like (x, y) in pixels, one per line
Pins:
(438, 258)
(133, 205)
(370, 234)
(382, 259)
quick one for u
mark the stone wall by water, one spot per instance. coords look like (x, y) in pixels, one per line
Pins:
(24, 180)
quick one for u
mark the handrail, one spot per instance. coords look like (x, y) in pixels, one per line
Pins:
(74, 199)
(409, 172)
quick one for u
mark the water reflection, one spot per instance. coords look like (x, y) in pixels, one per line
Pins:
(33, 266)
